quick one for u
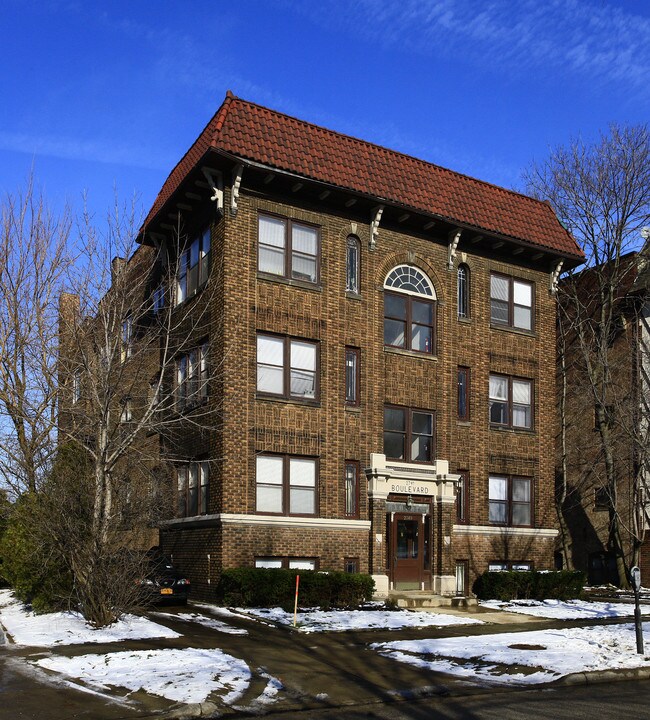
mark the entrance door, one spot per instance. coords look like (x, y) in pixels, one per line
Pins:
(407, 555)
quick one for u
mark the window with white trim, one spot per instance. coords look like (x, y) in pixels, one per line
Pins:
(286, 485)
(287, 367)
(409, 310)
(511, 302)
(76, 387)
(511, 402)
(287, 248)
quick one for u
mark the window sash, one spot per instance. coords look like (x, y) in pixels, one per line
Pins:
(352, 373)
(287, 367)
(352, 273)
(511, 302)
(510, 500)
(286, 485)
(192, 486)
(463, 393)
(408, 434)
(462, 291)
(409, 322)
(288, 249)
(510, 402)
(351, 489)
(193, 266)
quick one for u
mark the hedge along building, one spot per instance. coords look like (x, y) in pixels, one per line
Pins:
(385, 333)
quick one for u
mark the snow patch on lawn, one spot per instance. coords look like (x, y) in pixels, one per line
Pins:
(184, 676)
(524, 657)
(69, 628)
(340, 620)
(565, 609)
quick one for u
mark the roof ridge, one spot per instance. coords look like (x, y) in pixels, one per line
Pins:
(391, 151)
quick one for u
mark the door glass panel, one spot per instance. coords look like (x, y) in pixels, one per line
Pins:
(407, 539)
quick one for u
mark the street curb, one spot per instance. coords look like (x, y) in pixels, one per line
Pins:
(598, 677)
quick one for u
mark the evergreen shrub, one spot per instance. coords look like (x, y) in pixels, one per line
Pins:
(274, 587)
(530, 585)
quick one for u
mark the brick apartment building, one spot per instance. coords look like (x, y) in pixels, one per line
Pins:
(384, 331)
(593, 508)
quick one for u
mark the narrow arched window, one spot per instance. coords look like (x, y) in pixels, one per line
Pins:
(463, 291)
(352, 268)
(409, 310)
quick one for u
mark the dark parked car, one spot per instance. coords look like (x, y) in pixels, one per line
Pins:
(163, 583)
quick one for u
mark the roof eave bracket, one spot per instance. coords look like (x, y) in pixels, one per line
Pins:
(234, 190)
(454, 239)
(374, 226)
(555, 276)
(215, 181)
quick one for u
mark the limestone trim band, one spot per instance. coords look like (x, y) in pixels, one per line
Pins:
(504, 530)
(272, 521)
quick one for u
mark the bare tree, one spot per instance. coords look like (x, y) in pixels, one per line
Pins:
(34, 256)
(136, 376)
(601, 192)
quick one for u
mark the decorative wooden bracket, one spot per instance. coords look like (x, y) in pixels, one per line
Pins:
(374, 226)
(234, 191)
(555, 275)
(454, 239)
(215, 181)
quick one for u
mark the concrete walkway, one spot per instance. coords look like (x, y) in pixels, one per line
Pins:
(317, 670)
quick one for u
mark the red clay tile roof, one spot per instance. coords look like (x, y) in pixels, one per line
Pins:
(253, 132)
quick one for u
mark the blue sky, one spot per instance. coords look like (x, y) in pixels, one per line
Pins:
(103, 96)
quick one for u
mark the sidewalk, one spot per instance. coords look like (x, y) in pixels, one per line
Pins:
(316, 670)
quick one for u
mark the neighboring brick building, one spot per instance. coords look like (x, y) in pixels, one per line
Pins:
(593, 508)
(384, 331)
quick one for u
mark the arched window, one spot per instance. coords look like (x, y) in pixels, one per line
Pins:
(352, 265)
(409, 310)
(463, 291)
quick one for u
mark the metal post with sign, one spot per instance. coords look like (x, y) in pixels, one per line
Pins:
(635, 579)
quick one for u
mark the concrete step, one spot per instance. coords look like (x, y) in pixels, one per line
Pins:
(416, 599)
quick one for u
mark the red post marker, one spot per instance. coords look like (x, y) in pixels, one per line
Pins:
(295, 605)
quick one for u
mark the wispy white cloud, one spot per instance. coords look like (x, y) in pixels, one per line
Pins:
(597, 41)
(72, 148)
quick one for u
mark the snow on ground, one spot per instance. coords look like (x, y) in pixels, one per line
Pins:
(566, 609)
(206, 621)
(69, 628)
(187, 676)
(524, 657)
(339, 620)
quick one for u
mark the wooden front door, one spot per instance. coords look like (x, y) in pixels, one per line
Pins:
(407, 551)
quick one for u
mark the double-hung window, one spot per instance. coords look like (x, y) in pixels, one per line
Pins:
(462, 289)
(463, 393)
(408, 434)
(192, 377)
(127, 338)
(352, 488)
(352, 375)
(511, 402)
(193, 267)
(287, 367)
(288, 249)
(352, 268)
(510, 500)
(511, 302)
(286, 485)
(462, 497)
(409, 310)
(192, 484)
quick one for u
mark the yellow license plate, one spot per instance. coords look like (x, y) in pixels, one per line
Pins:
(166, 591)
